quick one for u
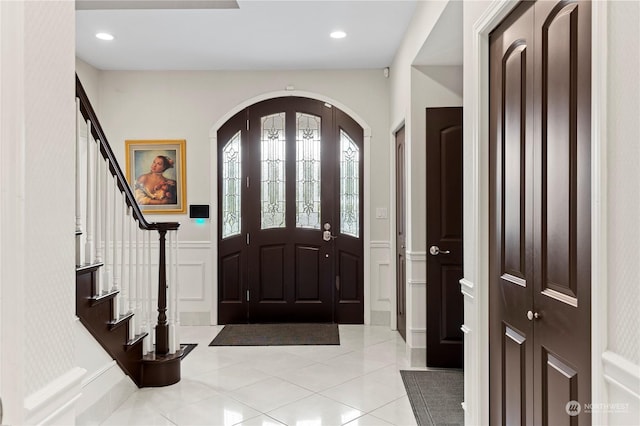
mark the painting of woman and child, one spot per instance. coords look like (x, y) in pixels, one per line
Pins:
(156, 173)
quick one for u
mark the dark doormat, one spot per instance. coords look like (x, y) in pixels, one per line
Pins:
(277, 335)
(435, 396)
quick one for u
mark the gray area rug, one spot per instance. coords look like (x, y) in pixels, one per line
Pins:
(277, 335)
(435, 396)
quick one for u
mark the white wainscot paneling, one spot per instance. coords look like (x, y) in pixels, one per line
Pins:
(417, 299)
(417, 296)
(381, 284)
(192, 278)
(196, 283)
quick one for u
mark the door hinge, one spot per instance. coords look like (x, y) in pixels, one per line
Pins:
(247, 181)
(248, 238)
(247, 124)
(337, 283)
(247, 295)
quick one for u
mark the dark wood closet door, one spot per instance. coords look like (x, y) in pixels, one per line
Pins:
(540, 246)
(562, 214)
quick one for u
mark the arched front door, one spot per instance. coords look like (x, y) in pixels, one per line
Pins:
(290, 214)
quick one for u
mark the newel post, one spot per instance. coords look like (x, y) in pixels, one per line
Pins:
(162, 327)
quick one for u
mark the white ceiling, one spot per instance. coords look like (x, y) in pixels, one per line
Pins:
(257, 35)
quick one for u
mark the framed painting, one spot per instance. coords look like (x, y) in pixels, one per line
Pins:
(156, 173)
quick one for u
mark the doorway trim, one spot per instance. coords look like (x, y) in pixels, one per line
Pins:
(475, 284)
(366, 128)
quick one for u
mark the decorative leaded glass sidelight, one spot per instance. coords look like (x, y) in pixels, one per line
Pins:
(307, 171)
(349, 186)
(231, 187)
(273, 162)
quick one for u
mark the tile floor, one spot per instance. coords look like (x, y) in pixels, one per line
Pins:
(356, 383)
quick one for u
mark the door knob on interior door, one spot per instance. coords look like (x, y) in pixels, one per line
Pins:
(435, 250)
(532, 315)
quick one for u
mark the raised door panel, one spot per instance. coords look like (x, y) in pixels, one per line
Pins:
(272, 274)
(514, 375)
(452, 305)
(513, 165)
(231, 288)
(451, 184)
(560, 383)
(308, 278)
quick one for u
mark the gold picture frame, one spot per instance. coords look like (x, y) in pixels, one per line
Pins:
(156, 173)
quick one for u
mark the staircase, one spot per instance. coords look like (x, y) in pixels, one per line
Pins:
(119, 289)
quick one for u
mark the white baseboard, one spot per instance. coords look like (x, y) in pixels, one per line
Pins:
(102, 395)
(621, 373)
(55, 404)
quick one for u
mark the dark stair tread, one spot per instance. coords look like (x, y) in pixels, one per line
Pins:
(136, 339)
(120, 321)
(90, 267)
(104, 297)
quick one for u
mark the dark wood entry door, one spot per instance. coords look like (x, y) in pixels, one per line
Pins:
(401, 260)
(290, 216)
(539, 234)
(445, 310)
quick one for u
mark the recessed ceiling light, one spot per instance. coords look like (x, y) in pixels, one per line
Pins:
(104, 36)
(338, 34)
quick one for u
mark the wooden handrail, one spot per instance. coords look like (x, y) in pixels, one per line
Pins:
(105, 149)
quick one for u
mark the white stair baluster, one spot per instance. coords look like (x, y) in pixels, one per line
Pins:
(131, 270)
(106, 227)
(89, 251)
(139, 282)
(170, 289)
(124, 285)
(142, 307)
(78, 192)
(176, 287)
(98, 208)
(149, 299)
(115, 270)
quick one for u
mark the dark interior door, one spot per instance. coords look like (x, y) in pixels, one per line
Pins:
(445, 310)
(401, 261)
(295, 251)
(540, 246)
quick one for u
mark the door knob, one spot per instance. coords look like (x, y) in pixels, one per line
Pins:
(326, 234)
(532, 315)
(435, 250)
